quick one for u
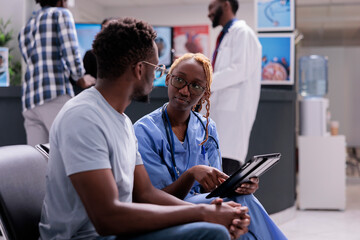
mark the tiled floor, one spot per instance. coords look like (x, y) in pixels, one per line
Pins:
(325, 225)
(328, 225)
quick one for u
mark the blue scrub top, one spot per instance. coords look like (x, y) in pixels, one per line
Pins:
(156, 154)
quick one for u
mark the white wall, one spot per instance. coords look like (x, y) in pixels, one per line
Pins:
(344, 87)
(87, 11)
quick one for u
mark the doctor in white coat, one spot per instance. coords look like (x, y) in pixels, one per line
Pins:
(236, 80)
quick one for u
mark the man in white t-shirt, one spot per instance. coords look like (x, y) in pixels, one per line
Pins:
(96, 182)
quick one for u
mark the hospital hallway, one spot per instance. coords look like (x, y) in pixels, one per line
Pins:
(324, 225)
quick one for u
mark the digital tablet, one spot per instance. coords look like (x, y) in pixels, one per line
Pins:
(255, 167)
(44, 149)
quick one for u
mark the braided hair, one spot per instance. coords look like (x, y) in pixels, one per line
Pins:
(205, 62)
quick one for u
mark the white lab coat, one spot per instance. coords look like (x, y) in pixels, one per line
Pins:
(236, 89)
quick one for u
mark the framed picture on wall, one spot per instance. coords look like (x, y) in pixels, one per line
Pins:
(277, 58)
(4, 67)
(164, 44)
(191, 39)
(274, 15)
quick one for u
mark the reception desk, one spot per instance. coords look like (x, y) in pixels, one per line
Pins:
(273, 131)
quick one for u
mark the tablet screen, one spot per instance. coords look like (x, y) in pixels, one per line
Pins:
(255, 167)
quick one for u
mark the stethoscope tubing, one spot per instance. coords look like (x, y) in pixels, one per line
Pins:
(170, 137)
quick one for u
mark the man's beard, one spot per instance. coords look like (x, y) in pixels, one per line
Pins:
(141, 98)
(217, 16)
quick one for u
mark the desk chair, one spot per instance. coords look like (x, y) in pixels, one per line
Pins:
(22, 191)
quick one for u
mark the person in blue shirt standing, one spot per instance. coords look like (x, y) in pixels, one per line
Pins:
(49, 46)
(180, 148)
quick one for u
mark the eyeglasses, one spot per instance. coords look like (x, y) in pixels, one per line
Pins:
(160, 70)
(179, 83)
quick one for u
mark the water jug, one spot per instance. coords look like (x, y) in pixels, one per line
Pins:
(313, 76)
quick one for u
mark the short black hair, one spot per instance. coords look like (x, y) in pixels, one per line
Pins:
(122, 43)
(234, 5)
(43, 3)
(107, 20)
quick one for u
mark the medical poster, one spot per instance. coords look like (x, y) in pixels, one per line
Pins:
(193, 39)
(275, 15)
(4, 67)
(277, 58)
(164, 44)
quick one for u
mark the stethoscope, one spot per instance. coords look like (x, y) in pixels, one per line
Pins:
(268, 10)
(175, 174)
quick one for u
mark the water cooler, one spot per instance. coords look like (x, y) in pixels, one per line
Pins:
(313, 87)
(321, 156)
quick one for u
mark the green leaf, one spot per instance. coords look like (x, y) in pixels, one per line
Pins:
(5, 35)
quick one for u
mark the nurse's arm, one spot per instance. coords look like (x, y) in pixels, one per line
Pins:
(181, 187)
(208, 177)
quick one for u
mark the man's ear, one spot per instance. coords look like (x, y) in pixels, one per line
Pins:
(137, 70)
(227, 6)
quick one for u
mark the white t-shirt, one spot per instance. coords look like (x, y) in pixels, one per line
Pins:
(87, 134)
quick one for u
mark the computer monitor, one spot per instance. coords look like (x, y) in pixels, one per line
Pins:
(86, 34)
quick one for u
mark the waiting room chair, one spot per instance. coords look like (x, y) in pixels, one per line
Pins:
(22, 191)
(353, 160)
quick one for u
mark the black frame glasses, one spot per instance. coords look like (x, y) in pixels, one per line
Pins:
(179, 83)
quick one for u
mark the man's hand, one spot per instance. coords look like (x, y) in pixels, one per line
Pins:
(248, 187)
(239, 223)
(86, 81)
(239, 226)
(208, 177)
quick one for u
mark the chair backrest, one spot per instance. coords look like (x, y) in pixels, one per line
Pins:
(22, 191)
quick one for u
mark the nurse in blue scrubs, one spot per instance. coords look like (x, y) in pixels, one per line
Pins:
(180, 147)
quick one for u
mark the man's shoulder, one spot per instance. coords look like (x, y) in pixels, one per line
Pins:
(55, 11)
(240, 26)
(83, 104)
(241, 30)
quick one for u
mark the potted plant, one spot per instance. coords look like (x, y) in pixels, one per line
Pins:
(10, 70)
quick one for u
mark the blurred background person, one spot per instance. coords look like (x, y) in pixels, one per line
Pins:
(49, 46)
(236, 83)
